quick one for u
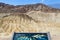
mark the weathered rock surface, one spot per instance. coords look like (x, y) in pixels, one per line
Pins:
(6, 8)
(35, 18)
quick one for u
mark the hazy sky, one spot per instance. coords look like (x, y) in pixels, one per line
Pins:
(21, 2)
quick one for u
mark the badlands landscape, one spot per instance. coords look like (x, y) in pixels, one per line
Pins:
(29, 18)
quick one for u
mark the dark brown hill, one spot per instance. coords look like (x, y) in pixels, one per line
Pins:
(6, 8)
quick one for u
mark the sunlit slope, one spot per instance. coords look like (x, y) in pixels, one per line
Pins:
(31, 22)
(18, 23)
(48, 22)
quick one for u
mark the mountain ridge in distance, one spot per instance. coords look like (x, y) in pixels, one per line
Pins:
(7, 8)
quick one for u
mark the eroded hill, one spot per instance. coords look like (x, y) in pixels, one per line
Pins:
(29, 18)
(6, 8)
(18, 23)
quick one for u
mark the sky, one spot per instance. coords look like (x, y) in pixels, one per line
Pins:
(23, 2)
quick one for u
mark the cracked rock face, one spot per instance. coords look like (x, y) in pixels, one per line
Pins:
(17, 23)
(48, 22)
(34, 18)
(24, 23)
